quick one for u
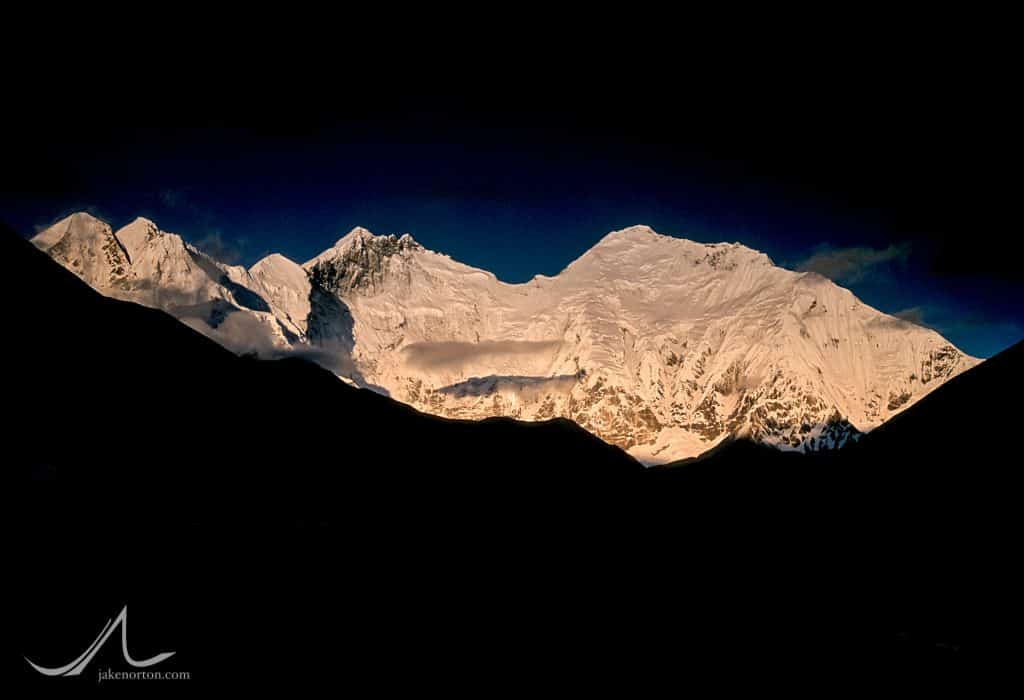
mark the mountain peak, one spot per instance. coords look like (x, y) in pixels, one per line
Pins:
(81, 220)
(143, 221)
(275, 262)
(633, 232)
(85, 216)
(630, 235)
(360, 238)
(80, 217)
(79, 223)
(354, 238)
(356, 234)
(273, 259)
(637, 246)
(136, 235)
(139, 223)
(642, 233)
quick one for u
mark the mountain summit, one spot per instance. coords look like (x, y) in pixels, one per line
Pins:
(660, 345)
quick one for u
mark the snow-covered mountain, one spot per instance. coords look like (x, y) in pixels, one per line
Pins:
(660, 345)
(143, 264)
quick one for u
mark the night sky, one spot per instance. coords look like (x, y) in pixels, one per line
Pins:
(888, 178)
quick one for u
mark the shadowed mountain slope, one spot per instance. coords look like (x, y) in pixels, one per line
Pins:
(264, 514)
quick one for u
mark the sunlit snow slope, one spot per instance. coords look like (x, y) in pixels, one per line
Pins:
(657, 344)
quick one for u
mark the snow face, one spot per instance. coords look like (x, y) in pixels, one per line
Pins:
(657, 344)
(286, 288)
(136, 236)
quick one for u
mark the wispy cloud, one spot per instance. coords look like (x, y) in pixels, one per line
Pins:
(171, 198)
(451, 355)
(229, 250)
(853, 264)
(915, 314)
(221, 249)
(978, 333)
(40, 226)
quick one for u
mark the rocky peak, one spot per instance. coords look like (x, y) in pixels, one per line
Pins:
(355, 236)
(358, 261)
(360, 238)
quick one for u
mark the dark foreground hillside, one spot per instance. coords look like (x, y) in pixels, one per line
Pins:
(922, 512)
(273, 526)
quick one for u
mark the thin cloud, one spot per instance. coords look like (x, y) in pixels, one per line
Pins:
(853, 264)
(171, 198)
(220, 248)
(915, 315)
(230, 251)
(451, 355)
(945, 319)
(180, 200)
(91, 209)
(977, 333)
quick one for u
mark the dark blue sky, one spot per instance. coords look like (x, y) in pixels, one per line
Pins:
(867, 198)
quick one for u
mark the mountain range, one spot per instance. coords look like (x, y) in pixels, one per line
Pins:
(275, 516)
(659, 345)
